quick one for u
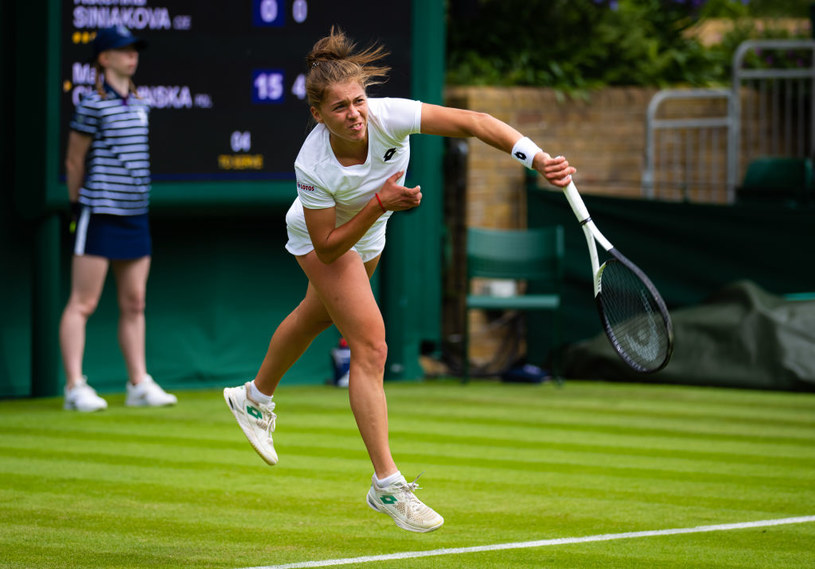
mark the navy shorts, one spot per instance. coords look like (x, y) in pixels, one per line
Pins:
(118, 237)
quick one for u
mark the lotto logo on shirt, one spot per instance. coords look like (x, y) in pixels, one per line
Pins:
(305, 187)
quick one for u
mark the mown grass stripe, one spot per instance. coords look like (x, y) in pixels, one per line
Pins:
(539, 543)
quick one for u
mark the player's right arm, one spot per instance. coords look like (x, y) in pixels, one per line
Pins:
(78, 146)
(462, 123)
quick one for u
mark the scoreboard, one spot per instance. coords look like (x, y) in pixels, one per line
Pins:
(225, 78)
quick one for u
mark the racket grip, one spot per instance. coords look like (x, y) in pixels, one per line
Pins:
(574, 199)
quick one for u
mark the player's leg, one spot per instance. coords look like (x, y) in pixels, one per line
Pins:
(87, 281)
(291, 339)
(251, 403)
(295, 334)
(344, 289)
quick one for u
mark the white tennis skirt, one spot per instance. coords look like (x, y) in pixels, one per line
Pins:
(369, 247)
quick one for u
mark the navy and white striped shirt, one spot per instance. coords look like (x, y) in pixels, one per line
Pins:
(117, 175)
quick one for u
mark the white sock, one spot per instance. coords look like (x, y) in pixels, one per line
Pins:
(256, 395)
(388, 479)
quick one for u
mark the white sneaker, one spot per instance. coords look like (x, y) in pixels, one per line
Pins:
(147, 393)
(82, 397)
(256, 420)
(399, 502)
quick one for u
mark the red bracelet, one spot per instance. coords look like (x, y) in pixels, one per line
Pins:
(380, 202)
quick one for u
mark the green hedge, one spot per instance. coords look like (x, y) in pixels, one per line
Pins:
(582, 44)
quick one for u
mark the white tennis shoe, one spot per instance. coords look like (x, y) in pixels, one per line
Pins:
(82, 397)
(256, 420)
(147, 393)
(399, 502)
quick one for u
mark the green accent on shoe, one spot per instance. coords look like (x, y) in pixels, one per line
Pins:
(387, 499)
(254, 411)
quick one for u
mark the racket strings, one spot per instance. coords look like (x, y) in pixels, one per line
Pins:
(633, 317)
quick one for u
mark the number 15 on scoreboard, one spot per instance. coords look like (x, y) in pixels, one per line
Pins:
(268, 86)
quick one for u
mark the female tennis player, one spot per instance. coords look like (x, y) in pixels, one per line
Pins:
(350, 179)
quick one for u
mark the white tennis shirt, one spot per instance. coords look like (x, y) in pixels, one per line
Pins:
(323, 182)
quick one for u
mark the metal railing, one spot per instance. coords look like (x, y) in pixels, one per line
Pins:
(774, 109)
(686, 158)
(767, 111)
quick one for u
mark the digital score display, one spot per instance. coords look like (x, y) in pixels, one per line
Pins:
(225, 78)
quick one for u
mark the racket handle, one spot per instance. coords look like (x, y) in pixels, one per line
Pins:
(582, 213)
(574, 199)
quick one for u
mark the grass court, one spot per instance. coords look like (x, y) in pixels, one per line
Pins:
(504, 464)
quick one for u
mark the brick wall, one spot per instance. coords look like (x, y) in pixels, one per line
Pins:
(603, 136)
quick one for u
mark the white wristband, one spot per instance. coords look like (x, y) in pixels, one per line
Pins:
(524, 151)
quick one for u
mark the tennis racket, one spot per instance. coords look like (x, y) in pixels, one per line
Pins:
(632, 312)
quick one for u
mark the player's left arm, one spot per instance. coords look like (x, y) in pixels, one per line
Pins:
(463, 123)
(331, 241)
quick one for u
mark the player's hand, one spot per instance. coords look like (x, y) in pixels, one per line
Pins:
(399, 198)
(556, 170)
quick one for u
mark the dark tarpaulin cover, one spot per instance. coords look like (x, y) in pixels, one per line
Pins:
(741, 336)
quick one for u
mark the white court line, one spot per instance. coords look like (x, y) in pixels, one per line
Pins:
(541, 543)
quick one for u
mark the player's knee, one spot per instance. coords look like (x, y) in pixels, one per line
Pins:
(373, 354)
(381, 350)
